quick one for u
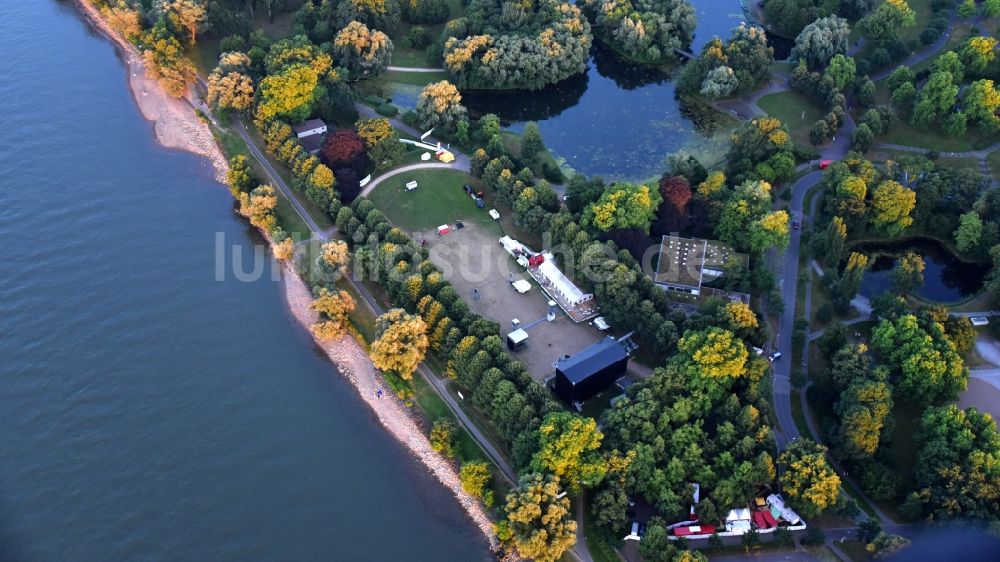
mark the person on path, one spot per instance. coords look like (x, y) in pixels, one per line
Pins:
(378, 393)
(475, 294)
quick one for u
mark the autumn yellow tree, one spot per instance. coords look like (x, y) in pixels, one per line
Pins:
(362, 50)
(568, 447)
(714, 352)
(258, 206)
(891, 207)
(284, 250)
(740, 317)
(400, 344)
(188, 14)
(335, 308)
(440, 104)
(538, 521)
(229, 85)
(334, 257)
(809, 482)
(123, 20)
(165, 61)
(290, 93)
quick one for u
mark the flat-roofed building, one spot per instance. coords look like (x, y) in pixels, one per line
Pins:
(685, 264)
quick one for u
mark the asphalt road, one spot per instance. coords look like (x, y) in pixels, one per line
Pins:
(787, 263)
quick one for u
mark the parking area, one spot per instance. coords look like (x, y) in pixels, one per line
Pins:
(481, 271)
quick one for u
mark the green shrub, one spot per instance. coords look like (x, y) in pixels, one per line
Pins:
(387, 110)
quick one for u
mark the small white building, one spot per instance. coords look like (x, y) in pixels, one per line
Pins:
(309, 128)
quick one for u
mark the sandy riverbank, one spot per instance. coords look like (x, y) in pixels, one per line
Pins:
(174, 121)
(353, 363)
(176, 126)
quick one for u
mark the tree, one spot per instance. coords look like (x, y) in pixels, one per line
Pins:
(891, 207)
(290, 93)
(123, 20)
(644, 31)
(821, 40)
(842, 70)
(443, 437)
(714, 352)
(361, 50)
(967, 9)
(833, 241)
(568, 447)
(935, 100)
(862, 138)
(381, 141)
(240, 175)
(908, 273)
(904, 96)
(991, 8)
(673, 214)
(957, 471)
(259, 206)
(475, 476)
(863, 409)
(809, 483)
(440, 104)
(970, 230)
(866, 92)
(165, 61)
(884, 544)
(887, 20)
(335, 256)
(400, 343)
(740, 317)
(531, 141)
(425, 11)
(188, 14)
(791, 16)
(335, 307)
(982, 100)
(819, 133)
(229, 85)
(924, 362)
(719, 82)
(537, 519)
(344, 148)
(622, 205)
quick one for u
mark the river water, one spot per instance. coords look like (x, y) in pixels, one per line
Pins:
(149, 411)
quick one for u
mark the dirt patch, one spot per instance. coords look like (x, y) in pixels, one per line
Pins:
(983, 395)
(472, 258)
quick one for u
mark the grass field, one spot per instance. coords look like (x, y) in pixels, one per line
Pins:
(795, 111)
(439, 199)
(205, 53)
(933, 138)
(414, 78)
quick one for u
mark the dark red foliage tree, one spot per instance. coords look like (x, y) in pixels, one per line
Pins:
(348, 183)
(635, 241)
(343, 148)
(674, 214)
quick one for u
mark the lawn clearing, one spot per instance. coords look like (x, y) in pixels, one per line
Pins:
(439, 199)
(414, 78)
(795, 111)
(933, 138)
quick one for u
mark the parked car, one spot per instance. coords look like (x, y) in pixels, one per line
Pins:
(795, 225)
(774, 356)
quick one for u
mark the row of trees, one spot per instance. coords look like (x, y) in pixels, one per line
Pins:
(645, 31)
(516, 46)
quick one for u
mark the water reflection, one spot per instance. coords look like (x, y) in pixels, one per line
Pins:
(946, 279)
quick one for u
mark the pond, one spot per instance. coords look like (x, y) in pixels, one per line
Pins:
(619, 120)
(946, 278)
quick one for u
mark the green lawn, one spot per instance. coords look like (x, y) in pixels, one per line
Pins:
(933, 138)
(855, 550)
(414, 78)
(439, 199)
(795, 111)
(435, 408)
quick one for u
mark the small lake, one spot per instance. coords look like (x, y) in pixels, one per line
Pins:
(946, 278)
(619, 120)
